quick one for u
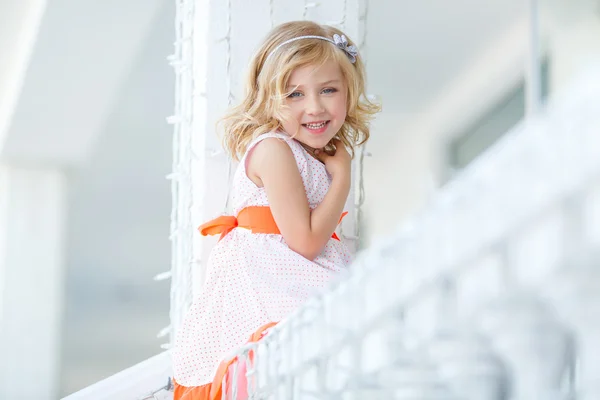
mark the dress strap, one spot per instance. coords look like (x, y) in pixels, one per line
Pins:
(264, 136)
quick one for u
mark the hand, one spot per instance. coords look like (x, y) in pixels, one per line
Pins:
(337, 164)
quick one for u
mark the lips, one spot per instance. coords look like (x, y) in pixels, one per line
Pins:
(316, 126)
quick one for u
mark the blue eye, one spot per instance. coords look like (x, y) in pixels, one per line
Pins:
(294, 94)
(330, 90)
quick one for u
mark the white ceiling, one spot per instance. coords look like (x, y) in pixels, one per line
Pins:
(83, 52)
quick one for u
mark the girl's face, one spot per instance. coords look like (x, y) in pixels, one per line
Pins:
(316, 104)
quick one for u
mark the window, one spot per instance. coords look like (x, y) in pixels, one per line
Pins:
(493, 124)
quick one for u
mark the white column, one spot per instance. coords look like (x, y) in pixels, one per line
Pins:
(226, 33)
(573, 39)
(353, 22)
(532, 69)
(32, 217)
(215, 42)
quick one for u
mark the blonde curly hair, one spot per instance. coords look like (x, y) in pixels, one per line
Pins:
(260, 111)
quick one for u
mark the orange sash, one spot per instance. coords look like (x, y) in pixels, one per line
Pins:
(257, 219)
(214, 390)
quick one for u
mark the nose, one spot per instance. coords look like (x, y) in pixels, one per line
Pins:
(314, 105)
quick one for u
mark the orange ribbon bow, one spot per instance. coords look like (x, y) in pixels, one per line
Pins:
(257, 219)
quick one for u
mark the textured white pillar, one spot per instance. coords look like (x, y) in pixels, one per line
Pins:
(214, 43)
(32, 216)
(226, 35)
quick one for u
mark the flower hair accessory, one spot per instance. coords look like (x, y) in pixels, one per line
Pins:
(340, 41)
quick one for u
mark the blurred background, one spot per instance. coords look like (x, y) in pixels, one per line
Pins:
(85, 90)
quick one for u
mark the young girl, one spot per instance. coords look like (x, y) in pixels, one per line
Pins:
(303, 113)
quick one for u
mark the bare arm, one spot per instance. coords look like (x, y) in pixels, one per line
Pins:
(272, 165)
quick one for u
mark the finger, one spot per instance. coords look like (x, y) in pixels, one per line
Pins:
(337, 142)
(321, 155)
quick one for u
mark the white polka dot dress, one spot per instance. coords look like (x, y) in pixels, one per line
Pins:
(252, 279)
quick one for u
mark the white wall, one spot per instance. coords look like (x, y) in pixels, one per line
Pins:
(573, 42)
(427, 63)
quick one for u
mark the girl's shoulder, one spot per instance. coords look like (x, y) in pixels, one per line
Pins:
(298, 151)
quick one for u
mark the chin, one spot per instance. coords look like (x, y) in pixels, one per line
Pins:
(317, 141)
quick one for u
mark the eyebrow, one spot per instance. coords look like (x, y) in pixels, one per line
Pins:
(321, 84)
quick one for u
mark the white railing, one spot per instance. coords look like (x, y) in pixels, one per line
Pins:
(492, 291)
(149, 380)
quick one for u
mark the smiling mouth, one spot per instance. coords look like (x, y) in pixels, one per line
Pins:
(316, 126)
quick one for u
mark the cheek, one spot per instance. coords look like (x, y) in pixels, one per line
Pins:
(288, 114)
(340, 108)
(290, 122)
(292, 111)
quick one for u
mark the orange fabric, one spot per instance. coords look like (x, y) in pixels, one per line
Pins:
(335, 236)
(194, 393)
(258, 219)
(214, 390)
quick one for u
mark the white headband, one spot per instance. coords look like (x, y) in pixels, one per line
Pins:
(340, 41)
